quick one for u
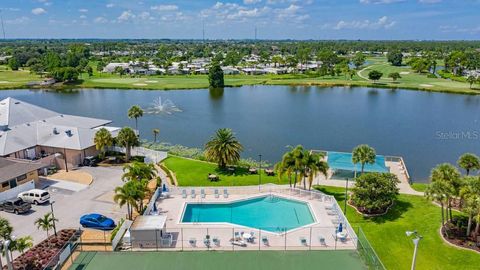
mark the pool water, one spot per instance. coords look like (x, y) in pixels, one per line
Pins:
(269, 213)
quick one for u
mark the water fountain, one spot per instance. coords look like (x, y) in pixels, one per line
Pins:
(159, 107)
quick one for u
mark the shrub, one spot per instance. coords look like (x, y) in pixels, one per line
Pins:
(374, 192)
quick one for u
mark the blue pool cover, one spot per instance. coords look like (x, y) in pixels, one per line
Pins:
(343, 161)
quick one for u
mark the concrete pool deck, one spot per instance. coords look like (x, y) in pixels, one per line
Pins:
(190, 236)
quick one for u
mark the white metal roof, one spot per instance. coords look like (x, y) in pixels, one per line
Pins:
(147, 223)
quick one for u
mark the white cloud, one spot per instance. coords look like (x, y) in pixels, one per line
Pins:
(249, 2)
(382, 22)
(83, 10)
(38, 11)
(110, 5)
(145, 16)
(381, 1)
(457, 29)
(100, 20)
(429, 1)
(126, 15)
(164, 8)
(83, 17)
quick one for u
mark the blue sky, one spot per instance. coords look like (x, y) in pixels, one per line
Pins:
(226, 19)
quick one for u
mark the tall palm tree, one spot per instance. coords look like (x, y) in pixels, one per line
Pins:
(135, 112)
(286, 167)
(223, 148)
(103, 138)
(46, 222)
(436, 192)
(23, 243)
(314, 165)
(155, 131)
(138, 171)
(5, 228)
(469, 162)
(470, 194)
(363, 154)
(127, 138)
(298, 155)
(125, 195)
(449, 176)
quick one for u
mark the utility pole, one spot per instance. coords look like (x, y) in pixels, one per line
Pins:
(3, 26)
(255, 33)
(203, 31)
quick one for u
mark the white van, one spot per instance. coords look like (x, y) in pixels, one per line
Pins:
(35, 196)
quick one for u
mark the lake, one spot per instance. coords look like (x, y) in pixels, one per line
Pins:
(425, 128)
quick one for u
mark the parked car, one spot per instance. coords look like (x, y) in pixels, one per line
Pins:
(97, 221)
(35, 196)
(16, 206)
(90, 161)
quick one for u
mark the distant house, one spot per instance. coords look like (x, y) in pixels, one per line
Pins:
(271, 70)
(110, 68)
(31, 133)
(17, 176)
(230, 71)
(254, 71)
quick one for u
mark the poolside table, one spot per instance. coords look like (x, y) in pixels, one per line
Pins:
(269, 172)
(252, 171)
(213, 177)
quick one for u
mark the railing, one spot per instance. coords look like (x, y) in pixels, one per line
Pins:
(151, 156)
(59, 259)
(120, 233)
(367, 252)
(150, 205)
(402, 164)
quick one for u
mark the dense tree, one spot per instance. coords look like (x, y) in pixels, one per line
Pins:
(223, 148)
(420, 64)
(394, 76)
(449, 177)
(373, 193)
(329, 59)
(13, 63)
(5, 228)
(395, 58)
(359, 60)
(215, 76)
(470, 194)
(375, 75)
(137, 171)
(471, 80)
(65, 74)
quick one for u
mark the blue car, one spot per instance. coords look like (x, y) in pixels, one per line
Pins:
(97, 221)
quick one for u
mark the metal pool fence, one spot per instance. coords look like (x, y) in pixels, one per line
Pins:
(368, 254)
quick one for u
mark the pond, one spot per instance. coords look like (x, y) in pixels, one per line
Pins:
(423, 127)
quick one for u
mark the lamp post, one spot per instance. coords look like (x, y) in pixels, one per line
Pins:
(6, 246)
(53, 217)
(416, 240)
(259, 171)
(1, 247)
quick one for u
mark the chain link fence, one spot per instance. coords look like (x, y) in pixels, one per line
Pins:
(368, 254)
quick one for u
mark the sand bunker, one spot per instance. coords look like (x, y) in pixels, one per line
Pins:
(151, 81)
(4, 81)
(140, 84)
(426, 85)
(404, 73)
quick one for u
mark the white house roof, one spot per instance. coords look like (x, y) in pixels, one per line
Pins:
(24, 125)
(149, 223)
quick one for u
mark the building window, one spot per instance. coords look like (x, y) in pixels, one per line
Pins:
(4, 184)
(21, 177)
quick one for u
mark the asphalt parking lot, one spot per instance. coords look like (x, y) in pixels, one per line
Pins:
(71, 202)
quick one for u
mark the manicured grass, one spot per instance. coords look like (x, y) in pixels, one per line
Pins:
(195, 173)
(278, 260)
(419, 186)
(15, 79)
(387, 235)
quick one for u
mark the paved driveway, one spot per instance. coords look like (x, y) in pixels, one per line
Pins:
(71, 202)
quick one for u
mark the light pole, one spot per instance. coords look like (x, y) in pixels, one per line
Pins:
(6, 246)
(1, 247)
(415, 240)
(260, 171)
(53, 217)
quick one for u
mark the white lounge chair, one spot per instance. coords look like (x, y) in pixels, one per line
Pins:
(265, 240)
(225, 193)
(216, 194)
(321, 239)
(303, 241)
(202, 193)
(192, 194)
(216, 241)
(192, 242)
(184, 193)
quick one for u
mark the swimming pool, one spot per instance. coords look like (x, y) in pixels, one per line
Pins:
(269, 213)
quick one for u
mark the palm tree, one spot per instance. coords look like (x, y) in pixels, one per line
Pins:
(138, 171)
(125, 195)
(5, 228)
(286, 166)
(23, 243)
(471, 80)
(135, 112)
(128, 139)
(223, 148)
(46, 222)
(469, 162)
(155, 131)
(436, 192)
(363, 154)
(313, 164)
(298, 154)
(103, 138)
(470, 194)
(449, 176)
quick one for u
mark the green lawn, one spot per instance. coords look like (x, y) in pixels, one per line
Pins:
(242, 260)
(195, 173)
(15, 79)
(387, 235)
(419, 186)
